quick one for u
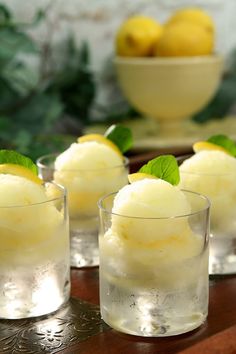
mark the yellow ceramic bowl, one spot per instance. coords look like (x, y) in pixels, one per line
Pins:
(169, 89)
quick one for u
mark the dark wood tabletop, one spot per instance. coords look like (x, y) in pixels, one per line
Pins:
(78, 327)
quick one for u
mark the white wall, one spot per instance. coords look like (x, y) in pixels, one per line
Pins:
(98, 20)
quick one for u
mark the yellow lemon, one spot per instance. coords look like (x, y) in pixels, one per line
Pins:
(184, 39)
(18, 170)
(193, 15)
(133, 177)
(100, 139)
(137, 36)
(206, 145)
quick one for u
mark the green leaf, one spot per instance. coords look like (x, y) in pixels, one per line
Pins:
(164, 167)
(74, 82)
(5, 15)
(13, 157)
(20, 77)
(8, 96)
(38, 17)
(13, 43)
(224, 141)
(5, 129)
(84, 54)
(38, 113)
(121, 136)
(22, 141)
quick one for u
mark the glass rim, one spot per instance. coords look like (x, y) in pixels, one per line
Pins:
(59, 186)
(201, 173)
(54, 155)
(203, 197)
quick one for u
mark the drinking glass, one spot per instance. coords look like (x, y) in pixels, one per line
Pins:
(34, 256)
(84, 187)
(221, 190)
(154, 271)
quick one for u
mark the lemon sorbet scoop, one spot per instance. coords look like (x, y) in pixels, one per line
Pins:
(89, 170)
(213, 173)
(26, 221)
(146, 239)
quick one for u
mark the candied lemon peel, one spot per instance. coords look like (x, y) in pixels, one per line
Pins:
(134, 177)
(100, 139)
(206, 145)
(18, 170)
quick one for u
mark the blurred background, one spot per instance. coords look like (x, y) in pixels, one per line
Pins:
(58, 79)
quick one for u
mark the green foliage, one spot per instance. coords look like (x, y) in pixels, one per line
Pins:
(74, 82)
(32, 103)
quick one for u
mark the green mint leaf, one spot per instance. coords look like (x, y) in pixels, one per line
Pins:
(224, 141)
(164, 167)
(13, 157)
(121, 136)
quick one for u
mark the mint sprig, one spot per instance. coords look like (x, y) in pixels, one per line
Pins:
(225, 142)
(164, 167)
(13, 157)
(120, 136)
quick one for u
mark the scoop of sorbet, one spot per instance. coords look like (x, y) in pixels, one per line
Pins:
(88, 171)
(150, 222)
(212, 173)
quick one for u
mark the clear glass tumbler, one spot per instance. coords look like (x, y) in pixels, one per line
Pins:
(221, 190)
(85, 188)
(154, 271)
(34, 256)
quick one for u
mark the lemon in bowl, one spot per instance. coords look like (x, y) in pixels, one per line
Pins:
(137, 36)
(180, 74)
(194, 15)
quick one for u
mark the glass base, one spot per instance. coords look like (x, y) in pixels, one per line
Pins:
(84, 242)
(158, 330)
(151, 311)
(25, 292)
(222, 259)
(154, 313)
